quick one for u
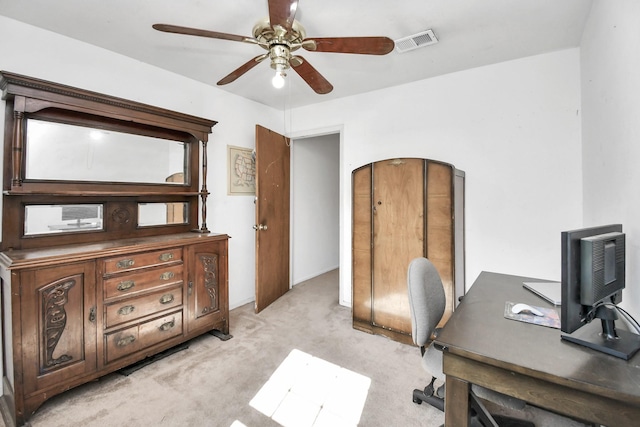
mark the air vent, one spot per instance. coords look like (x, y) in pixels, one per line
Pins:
(415, 41)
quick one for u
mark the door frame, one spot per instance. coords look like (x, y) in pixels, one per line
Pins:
(344, 297)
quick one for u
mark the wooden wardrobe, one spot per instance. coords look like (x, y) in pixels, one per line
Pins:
(403, 209)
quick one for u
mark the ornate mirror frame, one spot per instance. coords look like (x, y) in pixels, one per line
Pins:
(29, 98)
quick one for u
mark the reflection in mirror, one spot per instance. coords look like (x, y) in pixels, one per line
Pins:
(150, 214)
(57, 151)
(47, 219)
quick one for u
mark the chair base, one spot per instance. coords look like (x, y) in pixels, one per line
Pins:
(429, 395)
(480, 416)
(420, 396)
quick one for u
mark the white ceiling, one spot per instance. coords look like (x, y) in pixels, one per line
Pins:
(471, 33)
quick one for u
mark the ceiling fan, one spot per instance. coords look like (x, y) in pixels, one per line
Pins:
(281, 35)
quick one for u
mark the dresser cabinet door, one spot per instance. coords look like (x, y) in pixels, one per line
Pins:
(207, 286)
(59, 324)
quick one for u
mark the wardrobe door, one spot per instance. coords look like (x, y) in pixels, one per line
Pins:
(398, 237)
(361, 248)
(440, 229)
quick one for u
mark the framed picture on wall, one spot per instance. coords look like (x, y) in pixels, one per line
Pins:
(242, 171)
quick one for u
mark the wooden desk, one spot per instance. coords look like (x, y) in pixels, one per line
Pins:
(530, 362)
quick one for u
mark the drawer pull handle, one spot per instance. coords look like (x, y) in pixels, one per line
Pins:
(127, 309)
(166, 298)
(122, 342)
(126, 285)
(168, 325)
(166, 257)
(125, 263)
(167, 275)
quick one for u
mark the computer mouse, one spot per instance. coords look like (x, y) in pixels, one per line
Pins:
(525, 308)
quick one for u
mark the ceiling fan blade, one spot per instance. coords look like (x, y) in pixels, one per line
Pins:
(310, 75)
(202, 33)
(360, 45)
(282, 12)
(243, 69)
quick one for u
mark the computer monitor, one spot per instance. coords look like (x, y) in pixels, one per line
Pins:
(593, 276)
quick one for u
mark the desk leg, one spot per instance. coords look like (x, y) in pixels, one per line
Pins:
(456, 403)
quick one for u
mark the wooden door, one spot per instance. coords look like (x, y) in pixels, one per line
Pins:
(272, 216)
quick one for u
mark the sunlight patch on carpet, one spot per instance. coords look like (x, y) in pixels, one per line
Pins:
(308, 391)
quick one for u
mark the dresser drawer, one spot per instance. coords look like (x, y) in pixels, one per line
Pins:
(142, 260)
(137, 307)
(136, 282)
(139, 337)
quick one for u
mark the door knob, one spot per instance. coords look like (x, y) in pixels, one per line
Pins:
(259, 227)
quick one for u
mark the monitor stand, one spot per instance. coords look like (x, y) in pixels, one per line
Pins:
(607, 339)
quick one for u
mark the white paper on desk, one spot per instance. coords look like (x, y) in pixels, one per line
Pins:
(551, 319)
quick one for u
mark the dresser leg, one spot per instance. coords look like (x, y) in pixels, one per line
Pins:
(221, 335)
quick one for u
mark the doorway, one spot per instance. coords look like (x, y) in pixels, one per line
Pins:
(315, 205)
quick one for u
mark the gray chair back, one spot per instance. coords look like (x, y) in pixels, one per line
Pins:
(426, 299)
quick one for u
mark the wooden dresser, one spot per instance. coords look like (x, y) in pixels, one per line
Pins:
(105, 258)
(79, 312)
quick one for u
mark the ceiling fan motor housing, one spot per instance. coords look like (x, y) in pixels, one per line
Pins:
(280, 55)
(279, 42)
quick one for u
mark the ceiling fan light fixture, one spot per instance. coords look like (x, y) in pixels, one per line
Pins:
(278, 80)
(280, 55)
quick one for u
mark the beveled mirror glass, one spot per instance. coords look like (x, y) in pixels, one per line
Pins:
(152, 214)
(48, 219)
(64, 152)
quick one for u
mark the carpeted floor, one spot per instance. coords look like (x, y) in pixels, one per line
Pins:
(220, 383)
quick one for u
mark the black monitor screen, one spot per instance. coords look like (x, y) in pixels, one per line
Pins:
(574, 314)
(601, 267)
(593, 276)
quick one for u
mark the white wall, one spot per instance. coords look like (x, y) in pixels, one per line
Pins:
(514, 128)
(610, 60)
(34, 52)
(315, 193)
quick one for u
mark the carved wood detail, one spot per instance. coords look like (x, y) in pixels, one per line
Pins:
(210, 268)
(204, 193)
(54, 299)
(121, 216)
(16, 159)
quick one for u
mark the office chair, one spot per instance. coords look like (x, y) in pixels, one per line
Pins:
(427, 302)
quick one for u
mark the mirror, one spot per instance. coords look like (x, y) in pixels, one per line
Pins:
(150, 214)
(48, 219)
(64, 152)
